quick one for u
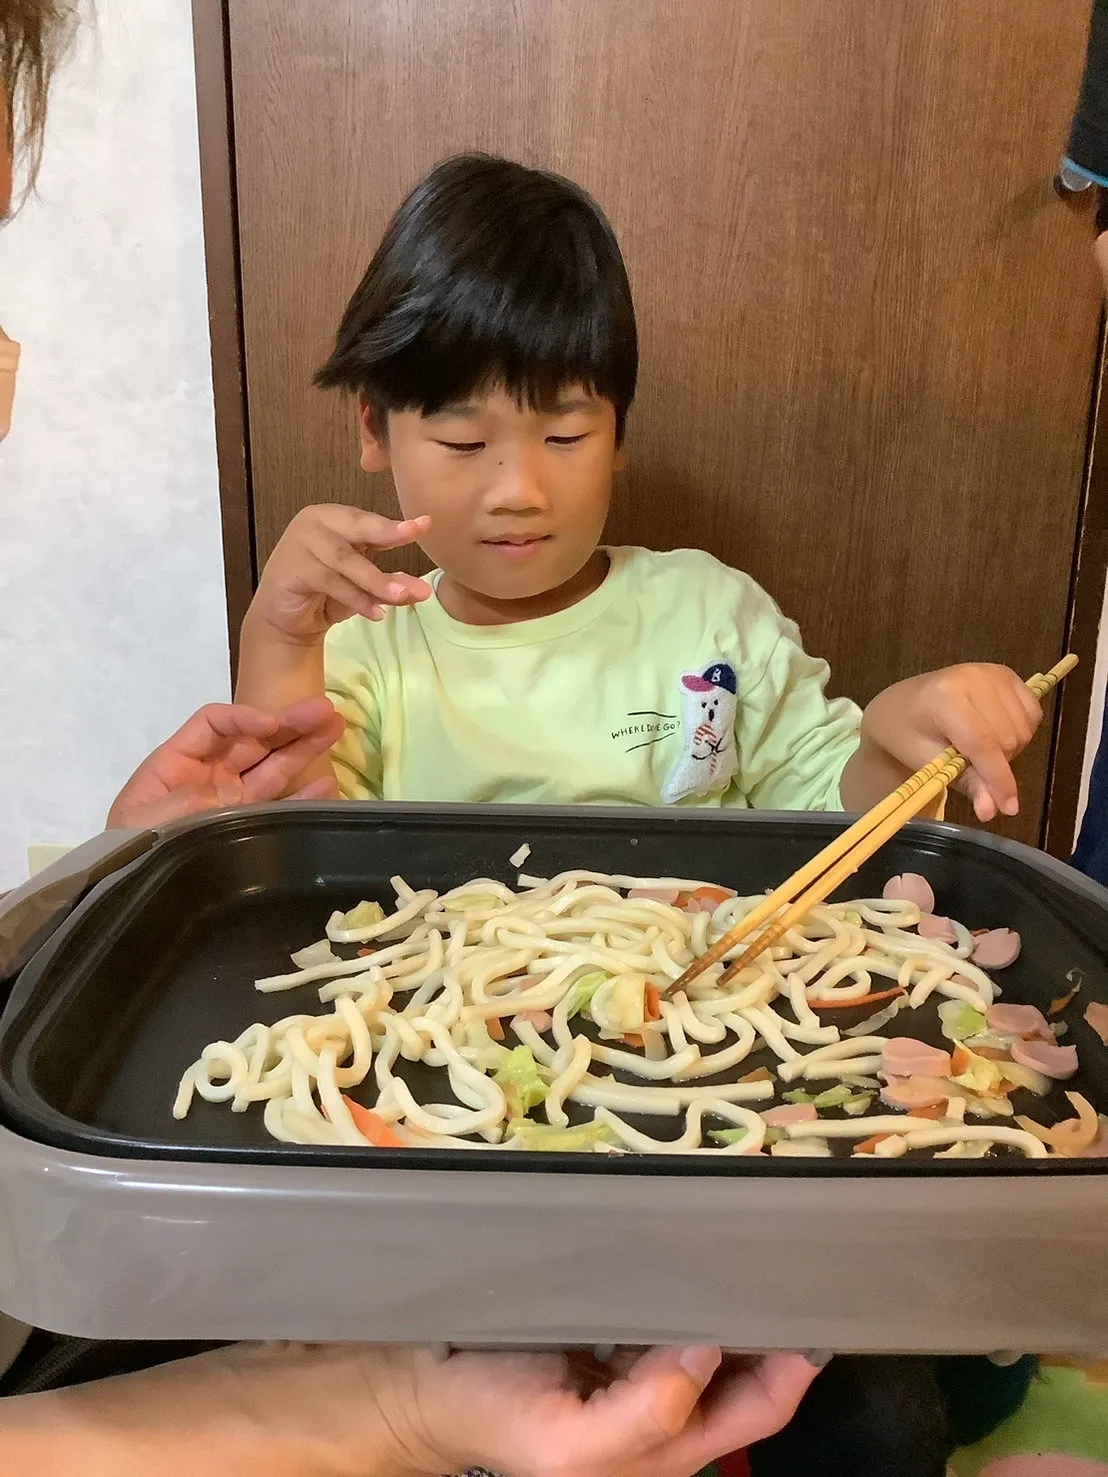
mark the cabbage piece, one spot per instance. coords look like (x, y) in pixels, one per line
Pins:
(362, 916)
(859, 1105)
(982, 1076)
(1035, 1082)
(518, 1075)
(583, 991)
(625, 1007)
(834, 1097)
(319, 953)
(799, 1095)
(546, 1139)
(480, 1049)
(966, 1149)
(960, 1020)
(728, 1135)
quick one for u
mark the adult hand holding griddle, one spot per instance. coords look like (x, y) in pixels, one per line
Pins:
(337, 1410)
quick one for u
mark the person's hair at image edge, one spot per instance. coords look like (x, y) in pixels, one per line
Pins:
(490, 275)
(34, 38)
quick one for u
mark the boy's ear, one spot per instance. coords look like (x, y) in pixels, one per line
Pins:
(375, 448)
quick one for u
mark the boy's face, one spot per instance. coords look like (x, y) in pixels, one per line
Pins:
(517, 498)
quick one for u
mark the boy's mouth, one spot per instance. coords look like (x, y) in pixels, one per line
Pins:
(517, 545)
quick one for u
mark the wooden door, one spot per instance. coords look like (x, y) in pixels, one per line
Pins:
(868, 327)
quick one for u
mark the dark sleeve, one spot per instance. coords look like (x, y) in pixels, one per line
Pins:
(1088, 141)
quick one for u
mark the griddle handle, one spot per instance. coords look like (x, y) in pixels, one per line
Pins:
(30, 914)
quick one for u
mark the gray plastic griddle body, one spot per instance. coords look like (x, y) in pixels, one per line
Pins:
(145, 1249)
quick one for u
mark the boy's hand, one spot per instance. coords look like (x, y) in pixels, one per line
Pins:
(985, 711)
(229, 754)
(320, 572)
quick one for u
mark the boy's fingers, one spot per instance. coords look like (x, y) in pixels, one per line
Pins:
(362, 573)
(1030, 705)
(984, 807)
(344, 594)
(1023, 711)
(370, 529)
(976, 738)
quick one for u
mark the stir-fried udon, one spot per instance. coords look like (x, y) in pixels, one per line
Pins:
(551, 1017)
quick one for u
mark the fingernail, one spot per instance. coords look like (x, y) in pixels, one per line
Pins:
(699, 1363)
(1011, 807)
(819, 1358)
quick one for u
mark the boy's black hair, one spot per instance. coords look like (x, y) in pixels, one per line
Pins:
(490, 274)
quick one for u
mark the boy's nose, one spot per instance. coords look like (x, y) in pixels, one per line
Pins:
(518, 488)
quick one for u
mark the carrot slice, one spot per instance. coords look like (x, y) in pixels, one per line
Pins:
(713, 895)
(653, 1002)
(868, 1146)
(372, 1126)
(636, 1041)
(937, 1110)
(858, 1000)
(1057, 1006)
(495, 1027)
(365, 953)
(961, 1060)
(759, 1074)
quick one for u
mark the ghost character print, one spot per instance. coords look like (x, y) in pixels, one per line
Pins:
(708, 761)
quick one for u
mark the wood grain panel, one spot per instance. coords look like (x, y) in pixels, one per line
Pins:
(868, 327)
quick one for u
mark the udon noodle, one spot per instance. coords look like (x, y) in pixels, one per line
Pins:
(448, 972)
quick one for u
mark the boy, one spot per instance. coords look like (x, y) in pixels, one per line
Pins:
(492, 347)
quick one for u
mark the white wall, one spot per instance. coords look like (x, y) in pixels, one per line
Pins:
(112, 615)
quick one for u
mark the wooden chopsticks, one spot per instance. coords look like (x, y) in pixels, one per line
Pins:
(819, 878)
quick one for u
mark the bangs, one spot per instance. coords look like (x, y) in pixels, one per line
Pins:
(490, 276)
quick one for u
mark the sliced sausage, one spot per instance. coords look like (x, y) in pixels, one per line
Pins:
(542, 1020)
(997, 949)
(910, 887)
(1058, 1062)
(1096, 1016)
(789, 1113)
(906, 1057)
(941, 929)
(1027, 1021)
(909, 1093)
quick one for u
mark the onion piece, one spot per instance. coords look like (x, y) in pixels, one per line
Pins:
(1072, 1136)
(882, 1018)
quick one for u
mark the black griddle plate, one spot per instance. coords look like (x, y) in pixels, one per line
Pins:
(160, 960)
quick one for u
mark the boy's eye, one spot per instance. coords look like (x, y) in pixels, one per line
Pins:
(565, 440)
(463, 445)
